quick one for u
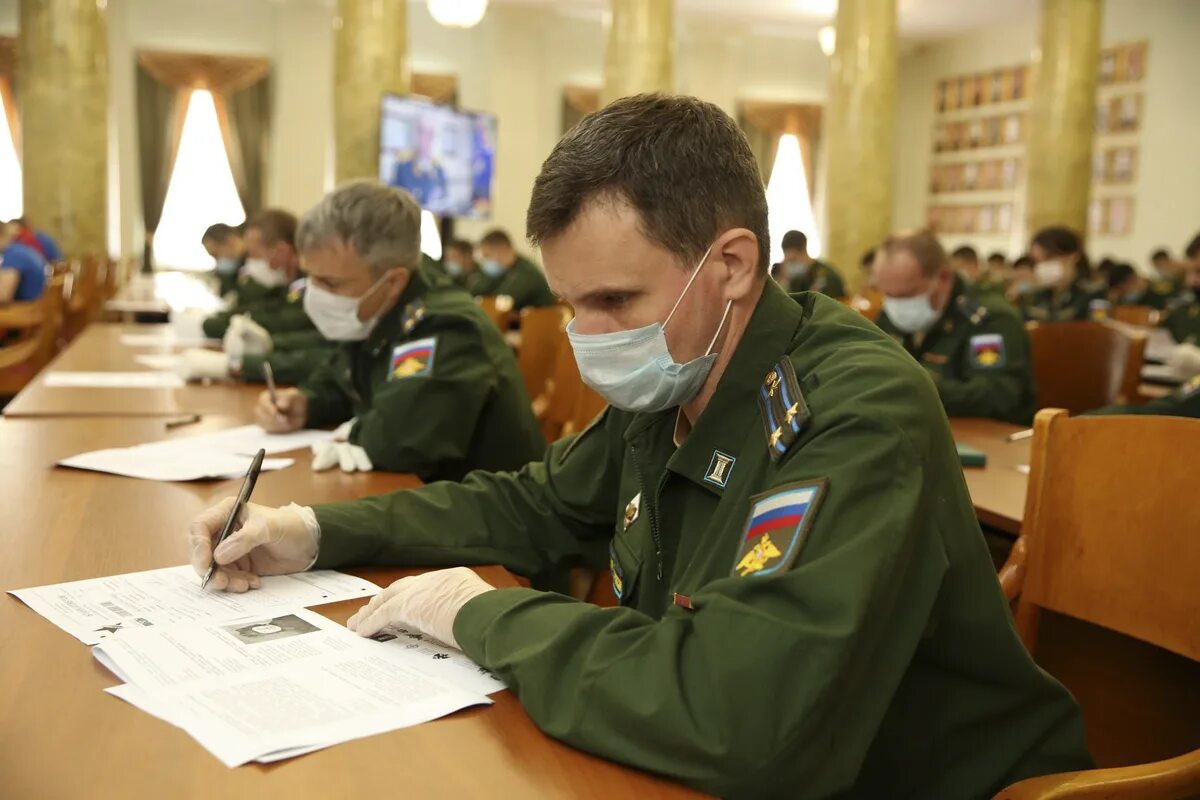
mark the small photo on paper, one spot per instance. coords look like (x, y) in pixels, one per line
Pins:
(269, 630)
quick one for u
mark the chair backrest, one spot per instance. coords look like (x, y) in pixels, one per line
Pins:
(1081, 366)
(868, 303)
(1112, 526)
(24, 328)
(81, 297)
(497, 312)
(1144, 316)
(559, 402)
(542, 335)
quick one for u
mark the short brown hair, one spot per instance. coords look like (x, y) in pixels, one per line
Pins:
(681, 163)
(276, 225)
(496, 238)
(922, 245)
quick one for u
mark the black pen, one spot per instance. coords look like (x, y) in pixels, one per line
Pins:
(179, 422)
(243, 498)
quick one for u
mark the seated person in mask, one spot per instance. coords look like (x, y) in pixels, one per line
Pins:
(807, 607)
(227, 247)
(800, 272)
(266, 287)
(422, 382)
(1062, 276)
(506, 272)
(1183, 310)
(973, 343)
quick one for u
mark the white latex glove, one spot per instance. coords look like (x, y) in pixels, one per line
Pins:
(350, 457)
(267, 541)
(245, 337)
(1184, 360)
(428, 602)
(199, 364)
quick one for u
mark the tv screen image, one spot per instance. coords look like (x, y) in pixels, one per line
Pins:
(444, 156)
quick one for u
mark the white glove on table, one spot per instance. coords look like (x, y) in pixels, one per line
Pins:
(430, 603)
(1184, 360)
(245, 337)
(188, 324)
(198, 364)
(340, 452)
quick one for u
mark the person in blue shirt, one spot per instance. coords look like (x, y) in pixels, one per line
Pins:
(40, 241)
(22, 269)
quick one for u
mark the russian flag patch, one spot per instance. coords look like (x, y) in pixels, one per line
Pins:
(412, 358)
(778, 524)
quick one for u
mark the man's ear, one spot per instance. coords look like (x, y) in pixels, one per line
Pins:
(737, 249)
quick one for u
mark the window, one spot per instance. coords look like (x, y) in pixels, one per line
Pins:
(201, 191)
(788, 203)
(11, 204)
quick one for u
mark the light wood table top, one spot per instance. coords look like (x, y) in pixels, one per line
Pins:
(99, 349)
(62, 737)
(998, 489)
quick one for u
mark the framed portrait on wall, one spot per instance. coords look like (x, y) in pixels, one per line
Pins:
(970, 176)
(1120, 216)
(997, 86)
(1004, 218)
(1128, 112)
(1121, 164)
(1135, 62)
(1018, 79)
(975, 133)
(1108, 65)
(1008, 173)
(1096, 216)
(986, 220)
(1012, 129)
(940, 96)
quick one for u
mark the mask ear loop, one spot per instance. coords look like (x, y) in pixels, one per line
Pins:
(370, 291)
(687, 286)
(728, 306)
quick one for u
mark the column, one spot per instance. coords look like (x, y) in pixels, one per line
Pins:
(640, 56)
(63, 88)
(860, 133)
(370, 59)
(1062, 115)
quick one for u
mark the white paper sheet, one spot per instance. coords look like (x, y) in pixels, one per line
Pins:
(92, 610)
(288, 682)
(165, 339)
(153, 463)
(1161, 373)
(113, 380)
(159, 361)
(249, 439)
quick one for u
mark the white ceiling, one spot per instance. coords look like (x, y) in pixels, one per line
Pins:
(919, 19)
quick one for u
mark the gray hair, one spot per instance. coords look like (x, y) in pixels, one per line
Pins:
(381, 223)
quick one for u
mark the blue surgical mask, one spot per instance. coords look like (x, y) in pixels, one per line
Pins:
(491, 267)
(227, 266)
(454, 269)
(911, 314)
(634, 371)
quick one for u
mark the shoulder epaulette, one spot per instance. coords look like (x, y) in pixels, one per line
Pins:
(784, 411)
(972, 309)
(414, 312)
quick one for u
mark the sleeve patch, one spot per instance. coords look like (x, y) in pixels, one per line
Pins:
(987, 351)
(778, 525)
(412, 359)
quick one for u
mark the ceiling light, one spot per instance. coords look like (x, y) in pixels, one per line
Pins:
(458, 13)
(827, 36)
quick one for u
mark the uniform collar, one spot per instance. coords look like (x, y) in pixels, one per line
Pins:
(719, 435)
(390, 327)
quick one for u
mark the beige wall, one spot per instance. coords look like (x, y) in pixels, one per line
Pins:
(1168, 206)
(514, 64)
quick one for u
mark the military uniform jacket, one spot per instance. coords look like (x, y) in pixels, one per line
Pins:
(279, 309)
(978, 356)
(1079, 301)
(1183, 318)
(1183, 402)
(808, 608)
(820, 277)
(525, 284)
(434, 387)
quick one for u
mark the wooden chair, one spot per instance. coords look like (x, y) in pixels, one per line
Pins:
(1106, 569)
(557, 405)
(28, 340)
(542, 336)
(1081, 366)
(81, 302)
(498, 311)
(1142, 316)
(868, 303)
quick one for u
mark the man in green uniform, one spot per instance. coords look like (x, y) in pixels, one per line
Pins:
(1183, 310)
(423, 381)
(980, 279)
(1182, 402)
(460, 265)
(505, 272)
(1061, 272)
(227, 247)
(973, 344)
(807, 608)
(800, 272)
(265, 287)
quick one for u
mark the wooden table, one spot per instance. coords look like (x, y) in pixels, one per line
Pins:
(99, 349)
(62, 737)
(998, 489)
